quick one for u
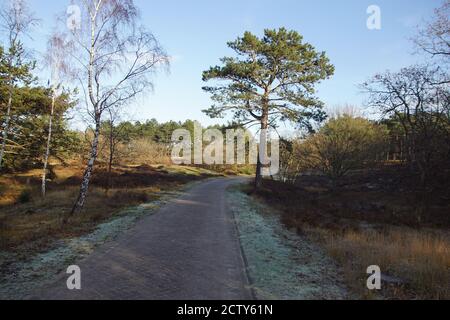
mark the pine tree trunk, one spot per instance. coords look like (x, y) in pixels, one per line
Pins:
(6, 127)
(88, 173)
(262, 144)
(258, 179)
(47, 151)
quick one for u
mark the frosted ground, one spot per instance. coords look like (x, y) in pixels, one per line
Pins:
(19, 278)
(281, 264)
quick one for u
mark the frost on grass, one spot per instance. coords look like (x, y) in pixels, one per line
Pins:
(20, 278)
(281, 264)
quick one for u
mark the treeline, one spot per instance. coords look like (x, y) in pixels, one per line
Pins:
(150, 142)
(137, 142)
(151, 129)
(158, 132)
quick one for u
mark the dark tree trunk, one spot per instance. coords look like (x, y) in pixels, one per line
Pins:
(108, 179)
(258, 179)
(111, 158)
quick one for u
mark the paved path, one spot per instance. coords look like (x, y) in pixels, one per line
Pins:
(188, 250)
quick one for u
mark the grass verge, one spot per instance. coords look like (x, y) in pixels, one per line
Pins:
(281, 264)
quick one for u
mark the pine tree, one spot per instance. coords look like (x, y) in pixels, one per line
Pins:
(272, 79)
(16, 19)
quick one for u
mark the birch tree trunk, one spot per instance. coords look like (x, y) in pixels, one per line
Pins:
(49, 140)
(84, 189)
(7, 123)
(79, 204)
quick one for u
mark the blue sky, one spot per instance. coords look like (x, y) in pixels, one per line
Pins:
(195, 34)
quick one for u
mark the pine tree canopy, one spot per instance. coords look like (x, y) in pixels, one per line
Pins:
(271, 79)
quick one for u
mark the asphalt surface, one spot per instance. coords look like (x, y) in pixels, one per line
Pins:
(188, 250)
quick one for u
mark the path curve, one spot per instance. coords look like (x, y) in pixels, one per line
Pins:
(188, 250)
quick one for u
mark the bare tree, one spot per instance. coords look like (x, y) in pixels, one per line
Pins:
(113, 140)
(419, 99)
(16, 19)
(49, 141)
(290, 164)
(114, 59)
(55, 58)
(434, 37)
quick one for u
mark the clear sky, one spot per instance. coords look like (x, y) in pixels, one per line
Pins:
(195, 34)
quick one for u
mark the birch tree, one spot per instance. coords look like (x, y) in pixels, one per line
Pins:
(16, 19)
(49, 141)
(114, 59)
(55, 58)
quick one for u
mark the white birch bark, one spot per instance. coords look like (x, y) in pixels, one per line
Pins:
(79, 204)
(7, 124)
(49, 141)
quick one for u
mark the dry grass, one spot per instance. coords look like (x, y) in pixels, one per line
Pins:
(145, 151)
(361, 226)
(420, 259)
(41, 221)
(27, 219)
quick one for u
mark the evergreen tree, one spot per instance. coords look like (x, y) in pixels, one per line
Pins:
(16, 19)
(272, 79)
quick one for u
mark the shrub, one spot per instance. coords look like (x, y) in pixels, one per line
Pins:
(25, 196)
(344, 144)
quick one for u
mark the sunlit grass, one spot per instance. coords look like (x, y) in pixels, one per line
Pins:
(420, 259)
